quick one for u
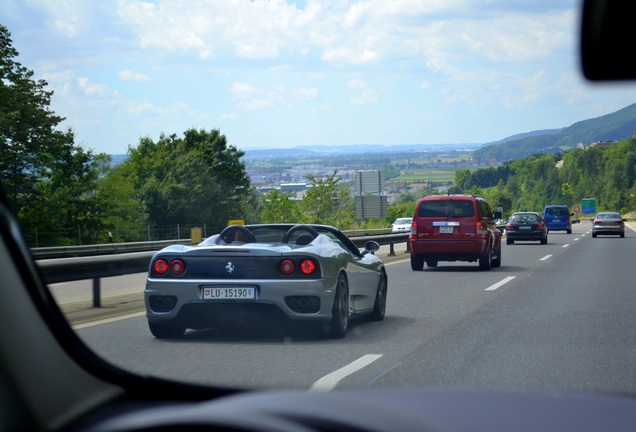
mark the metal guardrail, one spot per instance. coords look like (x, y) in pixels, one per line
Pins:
(96, 267)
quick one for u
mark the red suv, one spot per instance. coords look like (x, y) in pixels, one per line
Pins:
(454, 228)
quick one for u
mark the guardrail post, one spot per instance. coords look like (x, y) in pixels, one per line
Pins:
(97, 301)
(391, 249)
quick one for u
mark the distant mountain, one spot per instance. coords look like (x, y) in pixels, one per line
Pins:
(525, 135)
(326, 150)
(116, 159)
(611, 127)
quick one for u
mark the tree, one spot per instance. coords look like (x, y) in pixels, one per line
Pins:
(28, 139)
(49, 181)
(320, 202)
(197, 179)
(278, 207)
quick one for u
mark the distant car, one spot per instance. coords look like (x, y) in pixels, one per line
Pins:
(402, 225)
(608, 223)
(526, 226)
(254, 274)
(557, 218)
(454, 228)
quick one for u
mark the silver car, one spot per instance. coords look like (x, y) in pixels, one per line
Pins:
(608, 223)
(402, 225)
(255, 274)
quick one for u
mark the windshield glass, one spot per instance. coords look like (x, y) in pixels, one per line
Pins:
(134, 133)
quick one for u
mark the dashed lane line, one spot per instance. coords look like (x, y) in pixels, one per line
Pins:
(328, 382)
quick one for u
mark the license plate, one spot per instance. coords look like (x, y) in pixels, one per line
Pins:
(525, 227)
(446, 229)
(213, 293)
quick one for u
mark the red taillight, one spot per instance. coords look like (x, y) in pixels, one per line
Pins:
(414, 229)
(177, 267)
(540, 226)
(598, 223)
(618, 223)
(307, 267)
(287, 267)
(510, 227)
(161, 266)
(479, 225)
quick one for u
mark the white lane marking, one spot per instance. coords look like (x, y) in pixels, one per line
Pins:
(500, 283)
(108, 320)
(565, 245)
(576, 239)
(329, 381)
(547, 257)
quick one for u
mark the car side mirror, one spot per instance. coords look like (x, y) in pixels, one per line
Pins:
(606, 31)
(371, 247)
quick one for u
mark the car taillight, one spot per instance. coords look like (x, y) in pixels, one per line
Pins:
(177, 267)
(510, 227)
(287, 267)
(413, 234)
(307, 267)
(540, 226)
(161, 266)
(618, 223)
(597, 222)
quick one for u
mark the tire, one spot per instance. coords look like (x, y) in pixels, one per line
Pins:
(166, 331)
(510, 241)
(431, 263)
(570, 231)
(417, 262)
(496, 262)
(622, 235)
(379, 307)
(337, 327)
(485, 262)
(544, 241)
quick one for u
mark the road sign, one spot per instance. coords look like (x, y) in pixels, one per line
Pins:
(577, 208)
(589, 205)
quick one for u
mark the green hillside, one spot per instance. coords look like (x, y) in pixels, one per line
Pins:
(611, 127)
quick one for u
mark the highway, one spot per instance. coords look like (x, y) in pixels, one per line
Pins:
(555, 317)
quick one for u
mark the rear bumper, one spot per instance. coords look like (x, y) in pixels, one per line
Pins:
(449, 250)
(521, 235)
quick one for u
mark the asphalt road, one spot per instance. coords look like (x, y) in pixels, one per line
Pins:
(555, 317)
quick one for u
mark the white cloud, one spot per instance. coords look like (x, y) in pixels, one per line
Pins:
(365, 96)
(306, 94)
(229, 116)
(129, 75)
(92, 89)
(250, 98)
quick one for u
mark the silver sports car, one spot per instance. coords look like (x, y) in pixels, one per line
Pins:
(256, 273)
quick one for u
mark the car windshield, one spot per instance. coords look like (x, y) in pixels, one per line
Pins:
(524, 218)
(133, 133)
(447, 208)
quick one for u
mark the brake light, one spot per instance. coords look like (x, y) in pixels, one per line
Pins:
(510, 227)
(307, 267)
(413, 234)
(597, 222)
(618, 222)
(540, 226)
(480, 230)
(287, 267)
(177, 267)
(161, 266)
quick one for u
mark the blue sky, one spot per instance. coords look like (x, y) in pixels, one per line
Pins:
(282, 73)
